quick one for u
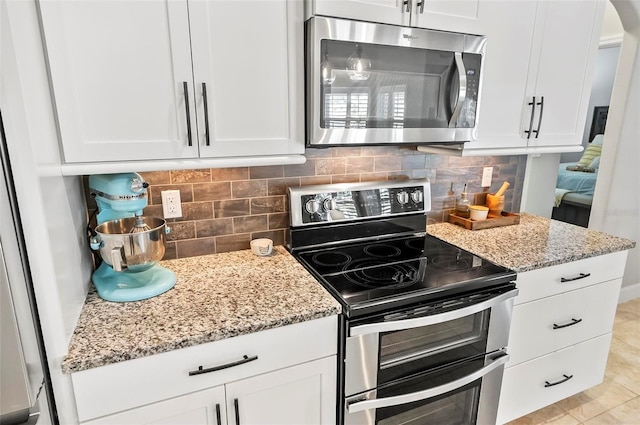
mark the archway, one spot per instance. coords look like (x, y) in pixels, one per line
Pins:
(615, 207)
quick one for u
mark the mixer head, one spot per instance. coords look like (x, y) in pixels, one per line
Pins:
(118, 195)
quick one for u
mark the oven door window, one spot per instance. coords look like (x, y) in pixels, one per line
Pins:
(405, 352)
(378, 86)
(456, 407)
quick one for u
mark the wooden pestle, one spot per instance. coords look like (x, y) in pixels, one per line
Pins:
(496, 202)
(502, 189)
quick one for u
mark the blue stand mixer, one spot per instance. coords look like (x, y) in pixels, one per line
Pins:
(129, 243)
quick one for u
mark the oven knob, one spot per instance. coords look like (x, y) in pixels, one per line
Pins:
(402, 197)
(329, 204)
(417, 196)
(312, 206)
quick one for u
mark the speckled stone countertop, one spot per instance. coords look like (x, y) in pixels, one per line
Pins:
(215, 297)
(534, 243)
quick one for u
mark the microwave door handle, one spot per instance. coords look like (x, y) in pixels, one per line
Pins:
(462, 89)
(399, 325)
(429, 393)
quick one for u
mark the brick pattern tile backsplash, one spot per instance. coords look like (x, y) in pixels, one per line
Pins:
(223, 209)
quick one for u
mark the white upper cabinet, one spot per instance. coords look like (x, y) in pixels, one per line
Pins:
(447, 15)
(544, 54)
(509, 27)
(129, 78)
(536, 77)
(117, 70)
(249, 56)
(396, 12)
(562, 70)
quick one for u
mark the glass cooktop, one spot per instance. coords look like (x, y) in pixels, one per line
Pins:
(373, 276)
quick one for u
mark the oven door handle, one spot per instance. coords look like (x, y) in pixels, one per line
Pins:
(399, 325)
(431, 392)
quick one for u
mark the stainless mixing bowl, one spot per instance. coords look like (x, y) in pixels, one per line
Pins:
(122, 249)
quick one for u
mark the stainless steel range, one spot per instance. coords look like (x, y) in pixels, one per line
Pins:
(425, 324)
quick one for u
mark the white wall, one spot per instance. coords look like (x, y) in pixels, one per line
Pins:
(616, 208)
(603, 79)
(538, 190)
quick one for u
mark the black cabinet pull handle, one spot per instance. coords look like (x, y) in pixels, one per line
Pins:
(206, 114)
(201, 370)
(235, 406)
(218, 418)
(533, 110)
(573, 322)
(570, 279)
(185, 88)
(407, 4)
(420, 4)
(547, 384)
(541, 104)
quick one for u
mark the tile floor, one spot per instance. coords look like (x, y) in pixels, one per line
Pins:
(617, 400)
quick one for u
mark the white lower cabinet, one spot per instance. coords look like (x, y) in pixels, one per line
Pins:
(540, 382)
(560, 332)
(200, 408)
(284, 376)
(298, 395)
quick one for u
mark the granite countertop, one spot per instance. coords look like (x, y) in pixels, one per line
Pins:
(534, 243)
(216, 296)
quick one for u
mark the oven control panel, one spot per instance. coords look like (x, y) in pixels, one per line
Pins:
(357, 201)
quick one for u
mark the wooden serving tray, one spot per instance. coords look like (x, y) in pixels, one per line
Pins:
(505, 219)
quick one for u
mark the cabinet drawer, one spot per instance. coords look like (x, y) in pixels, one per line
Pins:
(548, 281)
(549, 324)
(525, 387)
(119, 386)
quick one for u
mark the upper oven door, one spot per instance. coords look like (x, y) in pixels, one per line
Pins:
(402, 344)
(380, 84)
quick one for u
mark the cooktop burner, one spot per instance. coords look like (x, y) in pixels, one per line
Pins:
(362, 242)
(369, 276)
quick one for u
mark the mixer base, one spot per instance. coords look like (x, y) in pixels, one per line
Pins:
(132, 286)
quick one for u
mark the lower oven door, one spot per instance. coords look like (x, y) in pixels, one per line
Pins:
(460, 394)
(400, 344)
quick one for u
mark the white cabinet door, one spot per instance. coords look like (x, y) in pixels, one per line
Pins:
(117, 71)
(509, 27)
(446, 15)
(457, 16)
(299, 395)
(249, 56)
(542, 49)
(396, 12)
(206, 407)
(563, 69)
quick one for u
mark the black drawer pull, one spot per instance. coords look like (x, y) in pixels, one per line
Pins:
(201, 370)
(206, 114)
(566, 325)
(218, 418)
(547, 384)
(569, 279)
(237, 408)
(185, 89)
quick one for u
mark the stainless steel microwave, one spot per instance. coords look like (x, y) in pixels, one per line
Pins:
(378, 84)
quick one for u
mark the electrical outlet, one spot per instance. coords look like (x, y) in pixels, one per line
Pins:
(487, 173)
(171, 206)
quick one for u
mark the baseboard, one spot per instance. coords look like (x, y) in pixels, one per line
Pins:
(629, 292)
